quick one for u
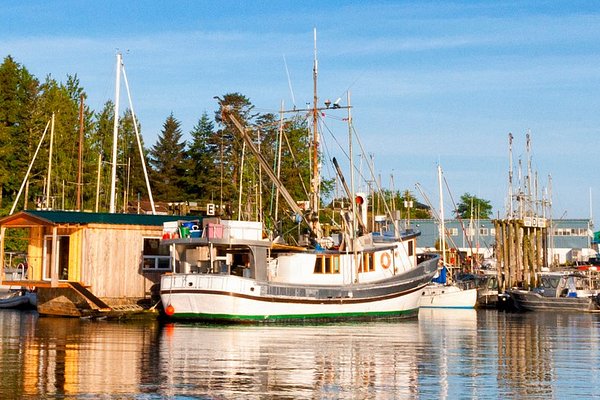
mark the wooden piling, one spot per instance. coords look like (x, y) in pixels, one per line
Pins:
(521, 251)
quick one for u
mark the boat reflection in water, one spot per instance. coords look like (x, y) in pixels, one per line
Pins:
(330, 361)
(444, 354)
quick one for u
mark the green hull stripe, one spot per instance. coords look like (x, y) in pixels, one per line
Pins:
(298, 317)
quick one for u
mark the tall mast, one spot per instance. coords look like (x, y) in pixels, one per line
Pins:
(79, 164)
(351, 156)
(442, 222)
(315, 162)
(50, 163)
(510, 177)
(115, 136)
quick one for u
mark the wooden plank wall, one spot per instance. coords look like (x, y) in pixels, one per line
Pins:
(35, 250)
(112, 261)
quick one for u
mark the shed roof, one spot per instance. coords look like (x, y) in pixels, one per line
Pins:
(45, 217)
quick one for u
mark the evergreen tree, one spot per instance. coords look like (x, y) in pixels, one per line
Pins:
(18, 125)
(230, 144)
(63, 101)
(132, 173)
(168, 162)
(203, 178)
(100, 149)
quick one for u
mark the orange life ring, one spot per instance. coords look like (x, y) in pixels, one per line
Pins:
(385, 260)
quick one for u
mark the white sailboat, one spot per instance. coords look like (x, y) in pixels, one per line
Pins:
(232, 273)
(441, 293)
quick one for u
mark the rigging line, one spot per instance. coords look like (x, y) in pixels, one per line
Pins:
(457, 216)
(435, 214)
(289, 81)
(377, 185)
(287, 142)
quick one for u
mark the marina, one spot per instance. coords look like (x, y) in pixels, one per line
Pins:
(249, 230)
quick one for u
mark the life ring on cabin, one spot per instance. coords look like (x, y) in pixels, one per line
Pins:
(385, 260)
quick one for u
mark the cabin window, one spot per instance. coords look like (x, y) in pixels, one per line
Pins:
(327, 264)
(366, 263)
(156, 257)
(411, 248)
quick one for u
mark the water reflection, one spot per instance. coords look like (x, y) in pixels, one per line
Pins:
(444, 354)
(336, 361)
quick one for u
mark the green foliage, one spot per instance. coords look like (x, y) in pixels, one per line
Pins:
(203, 173)
(18, 122)
(168, 162)
(473, 207)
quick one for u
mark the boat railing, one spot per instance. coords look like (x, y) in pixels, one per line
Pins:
(16, 267)
(208, 282)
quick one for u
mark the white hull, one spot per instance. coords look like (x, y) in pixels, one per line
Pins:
(447, 296)
(239, 299)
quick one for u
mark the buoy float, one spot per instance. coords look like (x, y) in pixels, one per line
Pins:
(170, 310)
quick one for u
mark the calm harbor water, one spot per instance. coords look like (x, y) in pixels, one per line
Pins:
(445, 354)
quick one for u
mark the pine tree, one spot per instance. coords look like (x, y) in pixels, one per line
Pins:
(203, 154)
(18, 126)
(168, 162)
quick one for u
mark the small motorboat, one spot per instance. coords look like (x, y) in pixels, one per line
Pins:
(19, 299)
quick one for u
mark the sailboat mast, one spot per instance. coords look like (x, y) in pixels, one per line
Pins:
(80, 155)
(315, 164)
(442, 222)
(50, 163)
(115, 136)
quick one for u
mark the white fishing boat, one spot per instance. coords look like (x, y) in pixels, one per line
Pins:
(234, 273)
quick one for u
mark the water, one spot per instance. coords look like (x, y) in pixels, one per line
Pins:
(445, 354)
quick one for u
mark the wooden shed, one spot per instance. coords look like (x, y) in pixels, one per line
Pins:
(108, 259)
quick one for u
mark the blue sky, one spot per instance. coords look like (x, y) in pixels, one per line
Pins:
(431, 82)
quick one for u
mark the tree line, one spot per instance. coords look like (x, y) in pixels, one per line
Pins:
(213, 166)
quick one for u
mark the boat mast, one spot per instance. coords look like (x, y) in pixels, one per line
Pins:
(115, 136)
(50, 162)
(442, 223)
(80, 155)
(510, 210)
(351, 155)
(314, 201)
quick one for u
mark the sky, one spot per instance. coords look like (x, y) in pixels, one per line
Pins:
(430, 83)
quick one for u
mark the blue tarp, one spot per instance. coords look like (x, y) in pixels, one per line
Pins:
(441, 278)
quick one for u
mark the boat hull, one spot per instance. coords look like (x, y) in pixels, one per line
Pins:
(447, 296)
(525, 300)
(19, 300)
(233, 299)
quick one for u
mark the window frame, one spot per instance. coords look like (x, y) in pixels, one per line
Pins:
(156, 258)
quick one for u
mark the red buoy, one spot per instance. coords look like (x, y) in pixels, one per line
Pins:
(170, 310)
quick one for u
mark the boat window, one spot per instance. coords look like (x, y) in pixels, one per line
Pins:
(155, 257)
(327, 264)
(411, 248)
(318, 265)
(336, 264)
(545, 283)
